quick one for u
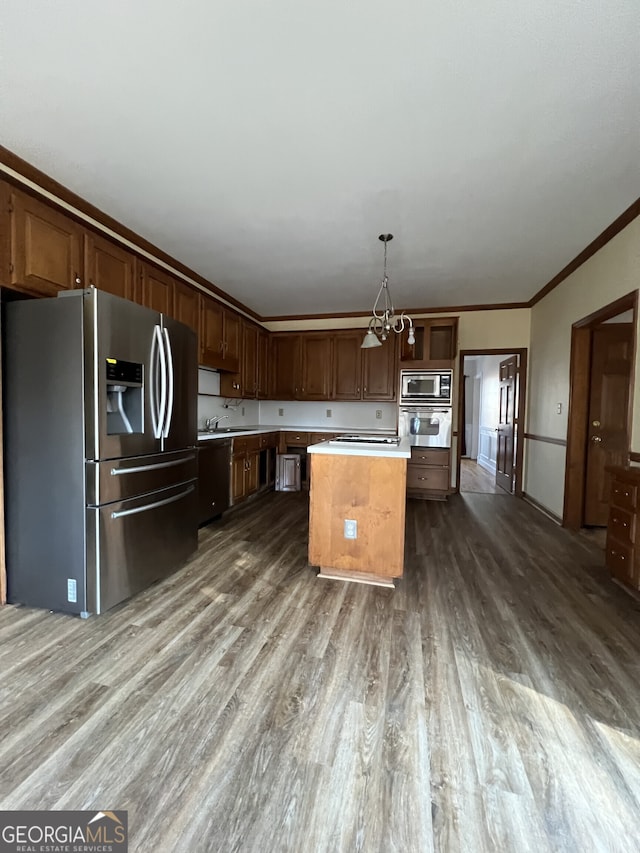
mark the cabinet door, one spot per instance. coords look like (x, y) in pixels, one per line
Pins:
(45, 248)
(186, 303)
(316, 367)
(347, 366)
(288, 474)
(252, 472)
(5, 233)
(238, 464)
(379, 371)
(435, 344)
(249, 369)
(263, 365)
(157, 289)
(108, 266)
(211, 332)
(232, 341)
(285, 366)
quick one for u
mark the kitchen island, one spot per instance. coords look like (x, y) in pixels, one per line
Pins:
(357, 509)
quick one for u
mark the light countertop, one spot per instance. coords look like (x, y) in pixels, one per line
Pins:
(258, 430)
(390, 451)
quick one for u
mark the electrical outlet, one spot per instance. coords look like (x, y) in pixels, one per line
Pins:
(379, 414)
(350, 528)
(243, 411)
(559, 408)
(280, 413)
(329, 413)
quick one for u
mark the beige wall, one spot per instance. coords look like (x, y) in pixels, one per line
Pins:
(476, 329)
(612, 272)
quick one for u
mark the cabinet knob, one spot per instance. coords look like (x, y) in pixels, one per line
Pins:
(78, 280)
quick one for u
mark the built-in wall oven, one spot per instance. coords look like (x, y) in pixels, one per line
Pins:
(426, 426)
(425, 387)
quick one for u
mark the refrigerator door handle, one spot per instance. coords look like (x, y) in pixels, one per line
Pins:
(161, 360)
(170, 381)
(123, 513)
(156, 363)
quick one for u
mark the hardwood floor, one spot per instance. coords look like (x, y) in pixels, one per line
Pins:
(490, 703)
(475, 478)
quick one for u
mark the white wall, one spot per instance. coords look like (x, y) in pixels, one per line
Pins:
(612, 272)
(484, 427)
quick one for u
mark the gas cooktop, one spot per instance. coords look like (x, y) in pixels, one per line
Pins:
(366, 439)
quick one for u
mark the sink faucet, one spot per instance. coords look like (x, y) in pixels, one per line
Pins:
(212, 423)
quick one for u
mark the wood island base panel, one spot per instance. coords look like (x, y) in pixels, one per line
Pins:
(370, 491)
(356, 577)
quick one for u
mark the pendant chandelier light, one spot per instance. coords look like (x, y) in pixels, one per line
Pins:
(384, 319)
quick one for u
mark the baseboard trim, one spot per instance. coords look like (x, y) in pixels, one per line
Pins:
(534, 503)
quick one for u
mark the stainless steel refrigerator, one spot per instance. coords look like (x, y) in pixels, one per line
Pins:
(100, 402)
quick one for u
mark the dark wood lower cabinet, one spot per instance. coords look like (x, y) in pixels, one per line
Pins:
(622, 556)
(429, 473)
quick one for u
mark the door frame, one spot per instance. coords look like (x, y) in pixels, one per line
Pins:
(578, 413)
(518, 423)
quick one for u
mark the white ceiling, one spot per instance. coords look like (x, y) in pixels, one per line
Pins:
(267, 144)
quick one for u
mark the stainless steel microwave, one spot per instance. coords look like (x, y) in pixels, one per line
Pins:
(425, 386)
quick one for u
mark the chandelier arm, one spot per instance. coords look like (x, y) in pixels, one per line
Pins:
(375, 304)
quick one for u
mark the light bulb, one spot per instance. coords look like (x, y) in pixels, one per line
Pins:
(412, 338)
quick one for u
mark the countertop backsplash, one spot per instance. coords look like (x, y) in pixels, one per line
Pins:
(290, 413)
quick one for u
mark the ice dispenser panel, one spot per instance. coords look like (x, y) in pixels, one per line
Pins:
(125, 390)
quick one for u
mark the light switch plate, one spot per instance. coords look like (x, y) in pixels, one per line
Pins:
(280, 413)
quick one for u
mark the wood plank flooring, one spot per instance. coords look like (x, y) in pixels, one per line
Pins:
(475, 478)
(490, 703)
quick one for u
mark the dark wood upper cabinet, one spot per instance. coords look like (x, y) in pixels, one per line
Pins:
(263, 364)
(157, 289)
(379, 369)
(186, 305)
(249, 367)
(316, 366)
(211, 332)
(108, 266)
(435, 346)
(347, 366)
(232, 340)
(285, 366)
(220, 336)
(46, 247)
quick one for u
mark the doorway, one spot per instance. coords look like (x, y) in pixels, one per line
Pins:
(600, 411)
(490, 414)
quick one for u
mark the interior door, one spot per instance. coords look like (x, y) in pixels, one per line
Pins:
(505, 450)
(611, 355)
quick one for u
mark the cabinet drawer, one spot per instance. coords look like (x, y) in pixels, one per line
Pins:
(246, 443)
(269, 439)
(429, 456)
(317, 437)
(422, 477)
(620, 560)
(623, 494)
(622, 525)
(294, 439)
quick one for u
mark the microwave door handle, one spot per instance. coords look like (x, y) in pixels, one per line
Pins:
(170, 383)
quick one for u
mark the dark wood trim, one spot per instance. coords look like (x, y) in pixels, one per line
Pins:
(578, 414)
(633, 456)
(546, 438)
(601, 240)
(366, 313)
(3, 567)
(84, 208)
(522, 352)
(534, 503)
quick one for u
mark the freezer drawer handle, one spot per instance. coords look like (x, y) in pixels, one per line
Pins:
(118, 472)
(125, 512)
